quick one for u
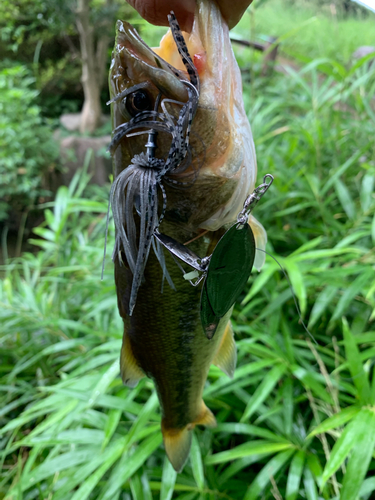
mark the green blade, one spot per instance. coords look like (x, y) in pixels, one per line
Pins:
(360, 458)
(294, 476)
(230, 267)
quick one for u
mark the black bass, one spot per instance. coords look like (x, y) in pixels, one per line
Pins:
(184, 164)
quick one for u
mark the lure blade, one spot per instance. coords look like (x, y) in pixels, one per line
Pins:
(208, 318)
(230, 267)
(179, 250)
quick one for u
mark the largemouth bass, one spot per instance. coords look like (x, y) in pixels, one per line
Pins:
(189, 181)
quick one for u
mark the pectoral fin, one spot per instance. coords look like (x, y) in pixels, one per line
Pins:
(131, 373)
(226, 355)
(260, 236)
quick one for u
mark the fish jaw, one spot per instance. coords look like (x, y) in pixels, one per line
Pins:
(134, 63)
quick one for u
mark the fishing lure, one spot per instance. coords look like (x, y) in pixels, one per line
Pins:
(227, 270)
(137, 185)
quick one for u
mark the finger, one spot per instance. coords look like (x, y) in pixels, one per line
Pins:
(156, 11)
(232, 11)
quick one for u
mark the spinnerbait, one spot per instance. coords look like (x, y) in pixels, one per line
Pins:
(227, 270)
(135, 189)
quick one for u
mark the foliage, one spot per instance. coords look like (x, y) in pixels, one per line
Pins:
(308, 31)
(43, 36)
(298, 419)
(27, 149)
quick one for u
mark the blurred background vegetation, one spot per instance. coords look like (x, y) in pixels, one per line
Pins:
(298, 420)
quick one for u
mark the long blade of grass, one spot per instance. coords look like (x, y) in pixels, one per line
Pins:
(263, 390)
(356, 368)
(360, 458)
(264, 476)
(294, 476)
(167, 481)
(357, 430)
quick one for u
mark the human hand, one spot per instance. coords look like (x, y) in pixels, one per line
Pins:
(156, 11)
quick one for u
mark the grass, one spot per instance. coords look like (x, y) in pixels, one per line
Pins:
(298, 419)
(307, 30)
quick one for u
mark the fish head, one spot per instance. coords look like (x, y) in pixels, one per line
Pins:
(221, 145)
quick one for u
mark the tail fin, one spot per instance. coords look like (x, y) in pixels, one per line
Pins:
(177, 442)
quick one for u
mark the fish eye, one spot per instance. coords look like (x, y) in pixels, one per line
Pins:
(137, 102)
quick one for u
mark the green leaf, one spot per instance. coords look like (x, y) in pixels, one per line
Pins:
(339, 171)
(297, 281)
(268, 471)
(263, 390)
(250, 430)
(144, 417)
(168, 480)
(110, 426)
(136, 487)
(246, 450)
(53, 465)
(356, 287)
(368, 486)
(356, 431)
(337, 420)
(89, 484)
(146, 487)
(287, 395)
(367, 190)
(345, 199)
(308, 378)
(260, 281)
(132, 463)
(309, 483)
(321, 303)
(360, 458)
(356, 368)
(196, 462)
(294, 476)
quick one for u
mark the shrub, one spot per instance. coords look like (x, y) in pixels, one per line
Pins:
(298, 418)
(27, 149)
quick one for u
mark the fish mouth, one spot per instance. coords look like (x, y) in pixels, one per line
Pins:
(134, 61)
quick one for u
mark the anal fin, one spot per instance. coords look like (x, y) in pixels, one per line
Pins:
(206, 417)
(131, 373)
(226, 355)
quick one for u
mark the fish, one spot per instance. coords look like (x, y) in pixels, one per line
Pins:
(184, 162)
